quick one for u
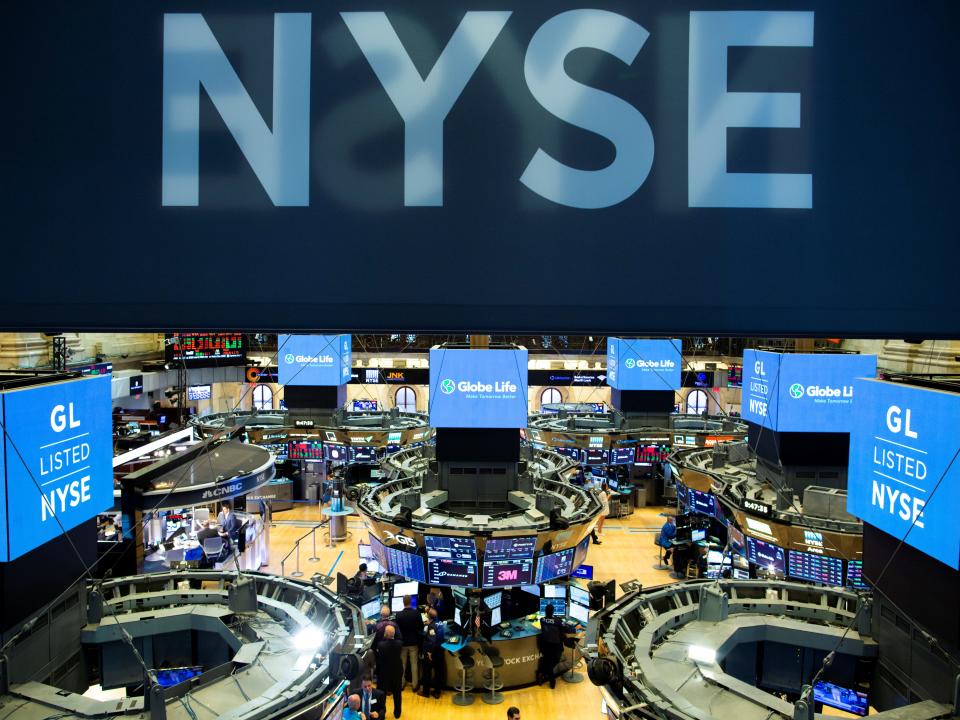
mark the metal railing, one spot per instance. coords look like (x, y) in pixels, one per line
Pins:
(296, 549)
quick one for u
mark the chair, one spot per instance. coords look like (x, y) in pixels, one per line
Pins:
(692, 571)
(493, 683)
(570, 676)
(660, 565)
(464, 663)
(212, 548)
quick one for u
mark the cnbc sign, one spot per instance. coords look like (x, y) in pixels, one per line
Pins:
(478, 388)
(643, 364)
(802, 392)
(903, 477)
(314, 359)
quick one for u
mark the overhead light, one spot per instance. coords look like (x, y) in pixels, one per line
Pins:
(308, 638)
(698, 653)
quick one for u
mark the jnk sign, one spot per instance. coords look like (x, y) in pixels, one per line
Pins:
(903, 476)
(279, 156)
(414, 165)
(58, 458)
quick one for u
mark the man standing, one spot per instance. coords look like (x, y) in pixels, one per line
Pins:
(433, 663)
(390, 667)
(383, 623)
(513, 713)
(411, 630)
(552, 633)
(373, 702)
(228, 522)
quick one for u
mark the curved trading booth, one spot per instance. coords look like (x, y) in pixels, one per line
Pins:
(501, 547)
(247, 645)
(746, 649)
(748, 529)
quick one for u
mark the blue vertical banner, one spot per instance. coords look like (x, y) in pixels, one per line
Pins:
(314, 359)
(904, 474)
(644, 364)
(798, 392)
(58, 447)
(478, 388)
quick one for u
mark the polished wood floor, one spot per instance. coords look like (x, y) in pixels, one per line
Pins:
(627, 553)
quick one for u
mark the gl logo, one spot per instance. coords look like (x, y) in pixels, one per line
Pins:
(448, 386)
(796, 391)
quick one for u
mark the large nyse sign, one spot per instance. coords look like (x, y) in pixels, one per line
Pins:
(57, 460)
(803, 393)
(904, 477)
(759, 136)
(644, 364)
(478, 388)
(314, 359)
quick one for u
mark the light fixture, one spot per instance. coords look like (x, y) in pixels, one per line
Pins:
(308, 638)
(698, 653)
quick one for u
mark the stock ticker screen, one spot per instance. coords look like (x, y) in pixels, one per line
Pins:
(555, 565)
(205, 347)
(815, 568)
(855, 575)
(451, 560)
(398, 562)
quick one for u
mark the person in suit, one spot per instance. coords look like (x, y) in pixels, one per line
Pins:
(206, 532)
(411, 630)
(228, 522)
(433, 667)
(390, 667)
(373, 701)
(552, 633)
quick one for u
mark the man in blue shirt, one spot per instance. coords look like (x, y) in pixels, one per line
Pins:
(352, 710)
(667, 533)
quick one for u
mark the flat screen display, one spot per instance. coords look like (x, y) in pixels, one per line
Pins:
(766, 555)
(855, 575)
(496, 616)
(398, 562)
(199, 392)
(580, 613)
(364, 551)
(371, 609)
(193, 348)
(554, 565)
(363, 454)
(596, 456)
(136, 384)
(841, 698)
(406, 588)
(649, 454)
(575, 454)
(701, 502)
(559, 606)
(305, 450)
(493, 600)
(320, 360)
(622, 456)
(451, 560)
(735, 540)
(554, 591)
(816, 568)
(735, 376)
(515, 548)
(507, 573)
(579, 595)
(175, 676)
(336, 453)
(580, 552)
(478, 388)
(364, 405)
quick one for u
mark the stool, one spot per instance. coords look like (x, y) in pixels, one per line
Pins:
(493, 684)
(660, 565)
(692, 571)
(570, 676)
(464, 663)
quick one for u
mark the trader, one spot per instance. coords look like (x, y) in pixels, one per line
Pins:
(228, 522)
(372, 700)
(552, 633)
(667, 534)
(433, 660)
(411, 629)
(383, 623)
(352, 710)
(390, 667)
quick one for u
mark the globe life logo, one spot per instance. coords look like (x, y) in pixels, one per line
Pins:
(448, 387)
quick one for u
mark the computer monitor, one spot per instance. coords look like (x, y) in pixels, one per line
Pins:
(494, 600)
(495, 616)
(698, 535)
(741, 574)
(371, 609)
(459, 598)
(841, 698)
(579, 595)
(532, 589)
(559, 606)
(396, 604)
(365, 551)
(554, 565)
(373, 566)
(580, 613)
(406, 588)
(555, 591)
(200, 516)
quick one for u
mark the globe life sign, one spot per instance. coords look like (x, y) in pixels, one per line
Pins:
(279, 155)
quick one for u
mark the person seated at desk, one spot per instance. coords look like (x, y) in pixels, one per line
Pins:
(578, 478)
(362, 576)
(667, 535)
(206, 532)
(552, 633)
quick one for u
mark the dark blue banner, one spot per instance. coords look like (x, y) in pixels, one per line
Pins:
(735, 167)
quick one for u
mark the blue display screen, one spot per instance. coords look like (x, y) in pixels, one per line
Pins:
(478, 388)
(643, 364)
(364, 405)
(816, 568)
(64, 434)
(175, 676)
(803, 393)
(901, 446)
(701, 502)
(314, 359)
(363, 454)
(841, 698)
(559, 606)
(554, 565)
(398, 562)
(766, 555)
(855, 575)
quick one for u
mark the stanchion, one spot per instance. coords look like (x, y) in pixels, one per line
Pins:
(314, 558)
(297, 573)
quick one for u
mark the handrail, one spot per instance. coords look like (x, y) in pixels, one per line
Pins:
(296, 549)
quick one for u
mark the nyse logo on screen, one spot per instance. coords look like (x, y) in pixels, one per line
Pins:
(279, 152)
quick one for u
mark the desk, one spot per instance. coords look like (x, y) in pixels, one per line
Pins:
(520, 653)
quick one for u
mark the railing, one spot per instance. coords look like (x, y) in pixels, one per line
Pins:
(296, 549)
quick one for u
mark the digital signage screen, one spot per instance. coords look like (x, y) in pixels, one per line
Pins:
(305, 450)
(855, 575)
(364, 405)
(701, 502)
(554, 565)
(574, 454)
(901, 449)
(199, 392)
(649, 454)
(766, 555)
(507, 573)
(644, 364)
(336, 453)
(58, 460)
(513, 548)
(136, 385)
(735, 376)
(322, 360)
(798, 392)
(595, 456)
(198, 349)
(478, 388)
(815, 568)
(842, 698)
(622, 456)
(580, 554)
(363, 454)
(399, 562)
(451, 560)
